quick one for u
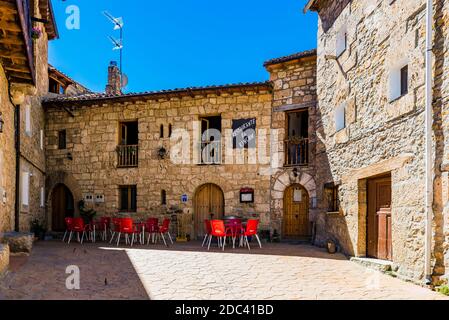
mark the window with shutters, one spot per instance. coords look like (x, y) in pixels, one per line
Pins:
(25, 189)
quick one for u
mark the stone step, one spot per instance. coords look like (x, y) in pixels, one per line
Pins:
(376, 264)
(19, 242)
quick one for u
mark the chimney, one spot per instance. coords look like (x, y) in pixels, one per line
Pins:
(114, 80)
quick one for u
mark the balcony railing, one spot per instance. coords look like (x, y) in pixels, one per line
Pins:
(210, 152)
(128, 156)
(297, 152)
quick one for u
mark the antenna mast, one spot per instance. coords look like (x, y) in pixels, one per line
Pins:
(118, 44)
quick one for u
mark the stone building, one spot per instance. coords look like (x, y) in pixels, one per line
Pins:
(117, 152)
(23, 81)
(371, 138)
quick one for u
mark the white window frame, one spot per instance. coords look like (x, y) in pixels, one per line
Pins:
(25, 189)
(28, 120)
(42, 139)
(394, 80)
(42, 198)
(341, 43)
(340, 117)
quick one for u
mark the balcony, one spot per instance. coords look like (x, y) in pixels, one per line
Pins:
(210, 152)
(297, 152)
(128, 156)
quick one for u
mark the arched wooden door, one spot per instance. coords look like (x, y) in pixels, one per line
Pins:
(296, 223)
(62, 206)
(209, 204)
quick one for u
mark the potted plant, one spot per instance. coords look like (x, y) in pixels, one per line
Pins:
(85, 213)
(36, 33)
(38, 229)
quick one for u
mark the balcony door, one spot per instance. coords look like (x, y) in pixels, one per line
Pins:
(297, 142)
(127, 149)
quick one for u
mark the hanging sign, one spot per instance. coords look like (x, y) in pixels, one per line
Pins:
(244, 133)
(184, 198)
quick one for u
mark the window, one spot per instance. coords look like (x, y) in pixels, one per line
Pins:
(42, 197)
(25, 188)
(28, 120)
(128, 145)
(62, 139)
(163, 197)
(297, 143)
(169, 130)
(128, 198)
(342, 41)
(340, 117)
(398, 81)
(331, 193)
(210, 140)
(161, 131)
(42, 139)
(55, 87)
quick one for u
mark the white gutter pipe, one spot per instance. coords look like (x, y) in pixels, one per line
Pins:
(428, 152)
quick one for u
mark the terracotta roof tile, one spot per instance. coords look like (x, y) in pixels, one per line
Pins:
(295, 56)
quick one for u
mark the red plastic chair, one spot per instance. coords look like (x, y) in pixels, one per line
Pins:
(68, 227)
(103, 225)
(217, 230)
(152, 228)
(165, 229)
(115, 227)
(251, 230)
(78, 227)
(207, 231)
(127, 227)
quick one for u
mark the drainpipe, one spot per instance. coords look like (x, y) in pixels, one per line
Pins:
(17, 143)
(428, 152)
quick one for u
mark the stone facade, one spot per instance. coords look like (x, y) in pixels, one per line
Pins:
(32, 144)
(383, 134)
(92, 127)
(294, 88)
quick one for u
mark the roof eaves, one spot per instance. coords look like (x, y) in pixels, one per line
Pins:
(295, 56)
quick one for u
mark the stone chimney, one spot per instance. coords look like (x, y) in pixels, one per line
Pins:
(114, 80)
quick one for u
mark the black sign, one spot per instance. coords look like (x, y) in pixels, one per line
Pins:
(244, 133)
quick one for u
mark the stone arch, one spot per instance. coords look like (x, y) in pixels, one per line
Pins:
(54, 179)
(280, 184)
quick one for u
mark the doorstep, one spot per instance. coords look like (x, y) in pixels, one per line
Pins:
(376, 264)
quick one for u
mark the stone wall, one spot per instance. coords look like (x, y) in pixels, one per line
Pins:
(7, 158)
(381, 136)
(32, 159)
(294, 84)
(92, 139)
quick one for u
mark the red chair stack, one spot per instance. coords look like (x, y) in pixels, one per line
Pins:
(127, 227)
(79, 228)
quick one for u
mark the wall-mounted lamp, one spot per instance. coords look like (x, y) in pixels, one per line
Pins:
(1, 122)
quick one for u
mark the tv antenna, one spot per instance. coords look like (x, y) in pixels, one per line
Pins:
(118, 44)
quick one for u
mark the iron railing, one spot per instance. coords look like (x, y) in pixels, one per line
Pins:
(297, 152)
(128, 156)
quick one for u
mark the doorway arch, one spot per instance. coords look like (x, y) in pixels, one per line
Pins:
(62, 206)
(209, 204)
(296, 224)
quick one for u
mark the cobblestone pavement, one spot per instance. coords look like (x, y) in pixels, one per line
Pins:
(187, 271)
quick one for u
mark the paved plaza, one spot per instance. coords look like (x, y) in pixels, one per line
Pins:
(187, 271)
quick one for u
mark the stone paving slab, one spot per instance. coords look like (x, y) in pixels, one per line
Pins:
(187, 271)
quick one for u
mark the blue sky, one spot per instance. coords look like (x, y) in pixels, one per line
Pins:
(181, 43)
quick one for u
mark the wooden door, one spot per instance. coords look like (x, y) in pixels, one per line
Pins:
(62, 207)
(379, 240)
(209, 204)
(296, 213)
